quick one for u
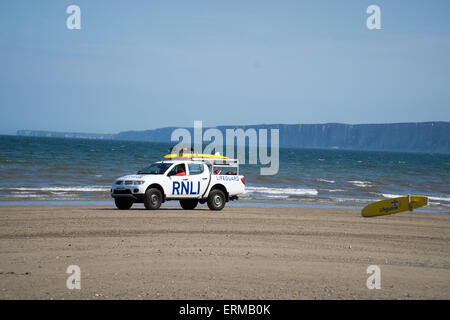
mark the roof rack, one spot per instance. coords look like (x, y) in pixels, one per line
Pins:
(212, 161)
(221, 162)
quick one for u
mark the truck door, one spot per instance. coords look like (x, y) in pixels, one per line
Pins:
(198, 175)
(179, 185)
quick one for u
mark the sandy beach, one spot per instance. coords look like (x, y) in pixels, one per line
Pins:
(237, 253)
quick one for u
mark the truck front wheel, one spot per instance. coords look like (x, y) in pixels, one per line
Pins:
(216, 200)
(123, 203)
(188, 204)
(152, 199)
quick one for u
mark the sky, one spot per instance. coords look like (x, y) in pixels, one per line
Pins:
(137, 65)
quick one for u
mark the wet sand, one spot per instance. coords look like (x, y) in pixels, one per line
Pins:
(237, 253)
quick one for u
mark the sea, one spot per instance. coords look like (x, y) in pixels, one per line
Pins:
(55, 171)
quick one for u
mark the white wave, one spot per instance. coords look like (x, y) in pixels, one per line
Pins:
(24, 196)
(276, 196)
(62, 189)
(361, 184)
(439, 198)
(365, 200)
(40, 197)
(281, 191)
(334, 190)
(387, 195)
(325, 181)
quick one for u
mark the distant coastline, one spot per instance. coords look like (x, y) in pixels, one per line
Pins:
(54, 134)
(432, 137)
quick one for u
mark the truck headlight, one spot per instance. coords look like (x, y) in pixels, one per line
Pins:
(138, 183)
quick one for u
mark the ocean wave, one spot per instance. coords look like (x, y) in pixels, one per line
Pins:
(439, 198)
(334, 190)
(24, 196)
(361, 184)
(360, 200)
(281, 191)
(271, 196)
(387, 195)
(39, 197)
(325, 180)
(61, 189)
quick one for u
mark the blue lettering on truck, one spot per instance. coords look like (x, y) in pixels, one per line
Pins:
(185, 187)
(228, 178)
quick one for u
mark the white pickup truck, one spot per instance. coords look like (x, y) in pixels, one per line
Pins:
(190, 181)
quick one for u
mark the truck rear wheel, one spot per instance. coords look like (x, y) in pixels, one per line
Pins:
(188, 204)
(216, 200)
(152, 199)
(123, 203)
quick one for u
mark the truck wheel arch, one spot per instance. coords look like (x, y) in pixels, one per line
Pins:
(222, 188)
(158, 186)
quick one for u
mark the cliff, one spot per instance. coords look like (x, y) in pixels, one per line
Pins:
(413, 137)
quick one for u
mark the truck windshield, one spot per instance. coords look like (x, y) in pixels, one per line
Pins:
(156, 168)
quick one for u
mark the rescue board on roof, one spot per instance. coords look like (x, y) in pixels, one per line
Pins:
(193, 155)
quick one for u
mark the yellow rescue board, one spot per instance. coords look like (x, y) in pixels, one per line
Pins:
(193, 155)
(394, 205)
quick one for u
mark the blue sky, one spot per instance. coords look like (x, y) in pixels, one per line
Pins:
(138, 65)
